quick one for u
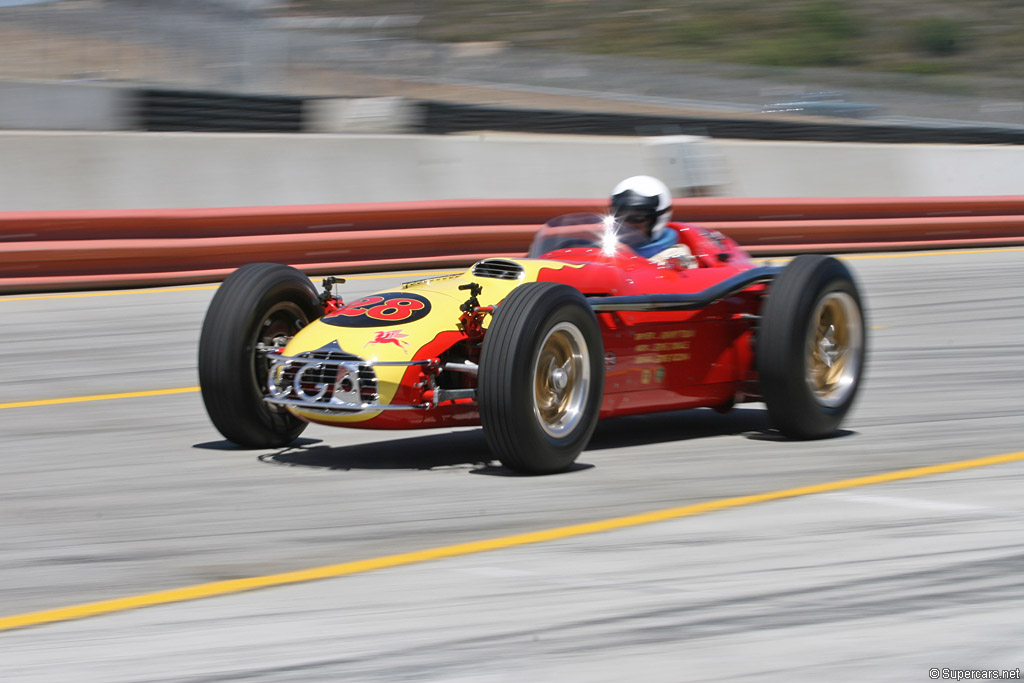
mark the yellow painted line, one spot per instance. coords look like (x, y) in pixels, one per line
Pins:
(85, 295)
(941, 252)
(381, 276)
(97, 397)
(207, 590)
(909, 254)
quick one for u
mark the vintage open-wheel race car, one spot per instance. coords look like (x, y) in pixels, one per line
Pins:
(538, 349)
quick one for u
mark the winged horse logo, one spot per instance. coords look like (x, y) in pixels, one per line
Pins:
(390, 337)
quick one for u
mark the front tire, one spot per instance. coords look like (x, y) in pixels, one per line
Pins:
(260, 303)
(541, 378)
(811, 347)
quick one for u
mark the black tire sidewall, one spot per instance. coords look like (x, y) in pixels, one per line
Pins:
(232, 391)
(781, 355)
(505, 386)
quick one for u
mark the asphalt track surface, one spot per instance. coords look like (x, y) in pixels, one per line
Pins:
(880, 578)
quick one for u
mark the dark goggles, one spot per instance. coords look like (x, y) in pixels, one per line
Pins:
(637, 216)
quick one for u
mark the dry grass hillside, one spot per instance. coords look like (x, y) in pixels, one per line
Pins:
(933, 37)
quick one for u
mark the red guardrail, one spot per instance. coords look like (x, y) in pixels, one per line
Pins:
(64, 250)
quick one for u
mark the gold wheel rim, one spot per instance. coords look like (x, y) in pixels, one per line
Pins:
(561, 380)
(835, 348)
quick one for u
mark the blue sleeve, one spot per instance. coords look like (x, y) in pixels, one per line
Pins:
(666, 239)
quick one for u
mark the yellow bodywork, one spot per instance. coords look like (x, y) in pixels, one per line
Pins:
(400, 342)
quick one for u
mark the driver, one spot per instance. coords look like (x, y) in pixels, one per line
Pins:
(644, 203)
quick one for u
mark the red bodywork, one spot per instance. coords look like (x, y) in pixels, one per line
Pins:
(654, 360)
(670, 360)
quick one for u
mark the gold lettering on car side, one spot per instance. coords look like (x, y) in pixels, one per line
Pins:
(665, 334)
(661, 343)
(664, 346)
(430, 281)
(654, 358)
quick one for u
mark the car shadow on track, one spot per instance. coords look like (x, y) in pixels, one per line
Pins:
(684, 425)
(463, 449)
(680, 425)
(468, 450)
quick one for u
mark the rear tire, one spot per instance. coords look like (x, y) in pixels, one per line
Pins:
(541, 378)
(811, 347)
(260, 303)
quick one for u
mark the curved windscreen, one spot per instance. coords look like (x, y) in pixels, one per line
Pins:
(585, 231)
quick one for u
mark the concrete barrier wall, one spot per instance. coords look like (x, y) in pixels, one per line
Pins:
(32, 105)
(56, 171)
(118, 170)
(824, 169)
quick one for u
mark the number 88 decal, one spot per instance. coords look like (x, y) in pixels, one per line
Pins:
(381, 310)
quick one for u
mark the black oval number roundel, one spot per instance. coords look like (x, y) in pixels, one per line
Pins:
(381, 310)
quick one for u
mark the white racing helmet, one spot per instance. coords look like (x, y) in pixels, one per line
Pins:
(643, 198)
